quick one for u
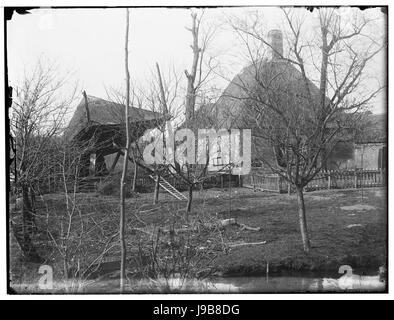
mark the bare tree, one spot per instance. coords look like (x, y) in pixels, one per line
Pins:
(148, 121)
(200, 71)
(36, 119)
(125, 163)
(164, 98)
(72, 232)
(302, 121)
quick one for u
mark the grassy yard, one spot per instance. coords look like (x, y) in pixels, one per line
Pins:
(346, 227)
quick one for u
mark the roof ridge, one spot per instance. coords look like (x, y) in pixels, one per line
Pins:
(94, 97)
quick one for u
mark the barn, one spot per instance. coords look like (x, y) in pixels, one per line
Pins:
(98, 126)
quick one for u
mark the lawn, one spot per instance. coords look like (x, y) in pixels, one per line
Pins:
(346, 227)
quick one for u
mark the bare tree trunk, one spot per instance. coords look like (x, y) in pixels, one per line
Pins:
(191, 78)
(27, 247)
(134, 182)
(33, 204)
(190, 196)
(189, 201)
(324, 159)
(125, 162)
(27, 212)
(191, 95)
(157, 189)
(24, 231)
(302, 219)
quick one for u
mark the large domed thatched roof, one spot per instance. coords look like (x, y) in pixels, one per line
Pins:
(273, 79)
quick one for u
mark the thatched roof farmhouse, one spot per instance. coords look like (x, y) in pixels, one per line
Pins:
(281, 82)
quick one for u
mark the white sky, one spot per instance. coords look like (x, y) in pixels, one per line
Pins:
(91, 43)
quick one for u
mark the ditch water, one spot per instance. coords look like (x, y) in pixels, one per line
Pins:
(276, 284)
(256, 284)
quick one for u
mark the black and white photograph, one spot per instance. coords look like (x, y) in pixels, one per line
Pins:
(192, 150)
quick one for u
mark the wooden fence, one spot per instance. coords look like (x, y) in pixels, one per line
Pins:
(263, 182)
(331, 179)
(257, 179)
(210, 181)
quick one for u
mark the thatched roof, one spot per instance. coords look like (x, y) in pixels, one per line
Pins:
(284, 81)
(103, 112)
(273, 79)
(106, 129)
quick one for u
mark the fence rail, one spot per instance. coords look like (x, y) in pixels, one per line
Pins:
(257, 179)
(330, 179)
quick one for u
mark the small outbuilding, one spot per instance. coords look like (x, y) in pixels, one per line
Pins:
(98, 126)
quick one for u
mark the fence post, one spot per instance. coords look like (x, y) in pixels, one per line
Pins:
(383, 177)
(329, 179)
(355, 178)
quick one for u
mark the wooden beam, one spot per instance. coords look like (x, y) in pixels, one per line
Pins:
(86, 106)
(163, 96)
(115, 162)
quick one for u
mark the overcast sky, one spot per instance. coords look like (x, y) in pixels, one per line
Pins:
(90, 42)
